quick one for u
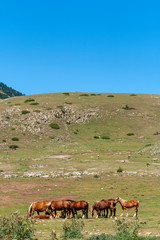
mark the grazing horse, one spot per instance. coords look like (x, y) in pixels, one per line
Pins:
(61, 205)
(128, 204)
(111, 205)
(79, 205)
(38, 207)
(100, 206)
(42, 216)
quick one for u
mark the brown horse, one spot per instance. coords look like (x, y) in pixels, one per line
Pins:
(100, 206)
(79, 205)
(38, 207)
(111, 206)
(61, 205)
(128, 204)
(42, 216)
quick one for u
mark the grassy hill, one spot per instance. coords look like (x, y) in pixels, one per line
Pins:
(61, 145)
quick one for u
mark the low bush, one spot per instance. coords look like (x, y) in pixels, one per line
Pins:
(84, 95)
(52, 137)
(73, 228)
(3, 140)
(66, 93)
(96, 137)
(119, 170)
(110, 96)
(37, 111)
(15, 139)
(96, 176)
(16, 227)
(105, 137)
(25, 111)
(29, 100)
(68, 103)
(130, 134)
(34, 103)
(68, 123)
(133, 95)
(128, 108)
(54, 125)
(126, 230)
(102, 236)
(13, 147)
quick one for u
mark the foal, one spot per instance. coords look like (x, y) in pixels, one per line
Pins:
(128, 204)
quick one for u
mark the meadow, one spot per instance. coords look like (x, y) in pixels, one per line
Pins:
(97, 135)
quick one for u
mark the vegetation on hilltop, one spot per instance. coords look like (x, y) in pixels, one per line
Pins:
(6, 92)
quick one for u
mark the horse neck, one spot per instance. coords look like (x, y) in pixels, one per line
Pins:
(122, 201)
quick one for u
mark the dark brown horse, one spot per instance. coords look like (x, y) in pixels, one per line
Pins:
(61, 205)
(79, 205)
(38, 207)
(111, 206)
(128, 204)
(102, 206)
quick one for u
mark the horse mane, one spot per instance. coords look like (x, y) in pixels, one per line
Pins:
(30, 207)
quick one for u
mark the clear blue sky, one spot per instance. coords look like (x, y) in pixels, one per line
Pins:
(80, 45)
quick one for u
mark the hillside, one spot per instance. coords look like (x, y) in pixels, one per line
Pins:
(6, 92)
(80, 146)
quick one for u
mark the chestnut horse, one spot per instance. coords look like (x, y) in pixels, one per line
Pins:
(128, 204)
(100, 206)
(61, 205)
(111, 205)
(79, 205)
(38, 207)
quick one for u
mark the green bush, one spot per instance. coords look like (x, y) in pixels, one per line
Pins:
(119, 170)
(13, 147)
(73, 228)
(37, 111)
(128, 108)
(54, 125)
(34, 103)
(126, 230)
(130, 134)
(102, 236)
(52, 137)
(133, 95)
(66, 93)
(96, 176)
(15, 139)
(49, 108)
(96, 137)
(3, 140)
(110, 96)
(16, 227)
(25, 112)
(68, 103)
(105, 137)
(13, 129)
(68, 123)
(84, 95)
(29, 100)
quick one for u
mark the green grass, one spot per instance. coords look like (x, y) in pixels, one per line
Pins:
(37, 152)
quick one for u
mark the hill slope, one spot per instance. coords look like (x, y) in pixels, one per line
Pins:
(6, 92)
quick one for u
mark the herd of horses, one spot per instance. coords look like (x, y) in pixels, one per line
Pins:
(70, 207)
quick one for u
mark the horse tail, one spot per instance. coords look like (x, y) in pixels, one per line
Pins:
(30, 210)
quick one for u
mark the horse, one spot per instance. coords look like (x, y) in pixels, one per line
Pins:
(38, 207)
(111, 205)
(42, 216)
(60, 205)
(128, 204)
(79, 205)
(100, 206)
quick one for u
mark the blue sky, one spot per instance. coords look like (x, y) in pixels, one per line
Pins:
(85, 46)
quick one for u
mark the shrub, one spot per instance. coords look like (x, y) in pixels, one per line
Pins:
(54, 125)
(133, 95)
(13, 129)
(102, 236)
(66, 93)
(25, 112)
(49, 108)
(73, 229)
(126, 230)
(119, 170)
(15, 139)
(3, 140)
(52, 137)
(16, 227)
(156, 133)
(130, 134)
(60, 106)
(148, 145)
(34, 103)
(105, 137)
(96, 176)
(128, 108)
(84, 95)
(68, 103)
(96, 137)
(37, 111)
(68, 123)
(29, 100)
(13, 147)
(110, 96)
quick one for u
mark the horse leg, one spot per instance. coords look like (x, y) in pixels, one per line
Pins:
(126, 212)
(114, 211)
(136, 212)
(110, 213)
(122, 212)
(106, 216)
